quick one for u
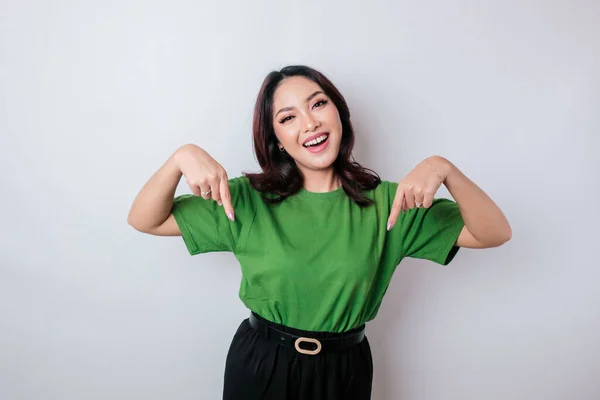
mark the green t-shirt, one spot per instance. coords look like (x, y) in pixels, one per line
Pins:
(317, 261)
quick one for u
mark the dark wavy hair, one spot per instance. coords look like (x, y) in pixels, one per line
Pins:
(280, 176)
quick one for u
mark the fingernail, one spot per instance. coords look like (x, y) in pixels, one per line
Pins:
(219, 203)
(230, 215)
(389, 225)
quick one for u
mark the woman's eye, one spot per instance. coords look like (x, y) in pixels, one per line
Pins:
(320, 102)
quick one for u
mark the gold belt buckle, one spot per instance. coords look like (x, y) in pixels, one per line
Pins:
(310, 340)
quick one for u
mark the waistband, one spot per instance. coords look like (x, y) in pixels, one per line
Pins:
(306, 342)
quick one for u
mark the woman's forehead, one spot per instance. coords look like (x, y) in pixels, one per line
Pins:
(294, 90)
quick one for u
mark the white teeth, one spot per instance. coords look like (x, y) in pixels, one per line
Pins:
(316, 141)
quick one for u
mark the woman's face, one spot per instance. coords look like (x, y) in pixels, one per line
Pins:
(306, 123)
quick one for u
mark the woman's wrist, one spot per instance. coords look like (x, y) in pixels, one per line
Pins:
(442, 167)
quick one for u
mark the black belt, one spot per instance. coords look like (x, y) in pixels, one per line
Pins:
(318, 345)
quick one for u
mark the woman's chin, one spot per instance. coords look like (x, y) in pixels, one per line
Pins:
(320, 164)
(317, 161)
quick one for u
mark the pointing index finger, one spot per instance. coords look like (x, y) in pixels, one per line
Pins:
(397, 205)
(226, 198)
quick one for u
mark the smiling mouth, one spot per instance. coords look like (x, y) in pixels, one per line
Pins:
(317, 141)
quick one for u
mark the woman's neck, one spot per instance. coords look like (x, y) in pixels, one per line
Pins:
(321, 181)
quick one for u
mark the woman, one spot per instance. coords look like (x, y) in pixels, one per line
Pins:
(318, 237)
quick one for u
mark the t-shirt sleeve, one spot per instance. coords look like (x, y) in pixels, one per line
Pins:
(431, 233)
(204, 225)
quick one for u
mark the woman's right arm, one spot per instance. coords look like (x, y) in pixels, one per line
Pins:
(151, 209)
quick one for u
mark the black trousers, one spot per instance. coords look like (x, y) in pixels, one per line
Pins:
(258, 369)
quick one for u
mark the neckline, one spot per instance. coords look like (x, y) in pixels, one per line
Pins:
(321, 195)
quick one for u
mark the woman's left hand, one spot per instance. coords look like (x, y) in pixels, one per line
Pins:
(419, 187)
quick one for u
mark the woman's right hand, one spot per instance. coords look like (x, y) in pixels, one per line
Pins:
(204, 176)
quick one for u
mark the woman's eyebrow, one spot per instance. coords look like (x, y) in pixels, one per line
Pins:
(309, 98)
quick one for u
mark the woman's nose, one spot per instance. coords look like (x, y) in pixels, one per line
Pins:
(310, 123)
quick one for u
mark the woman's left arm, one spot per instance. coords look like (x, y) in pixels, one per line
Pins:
(485, 224)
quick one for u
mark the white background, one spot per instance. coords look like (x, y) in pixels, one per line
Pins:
(95, 95)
